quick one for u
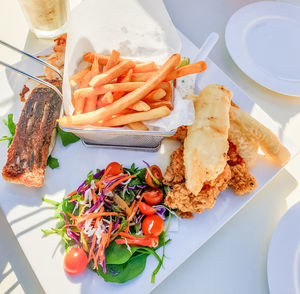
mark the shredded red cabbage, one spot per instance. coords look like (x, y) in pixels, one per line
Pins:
(104, 265)
(70, 233)
(160, 211)
(115, 224)
(139, 218)
(79, 188)
(148, 165)
(137, 186)
(98, 174)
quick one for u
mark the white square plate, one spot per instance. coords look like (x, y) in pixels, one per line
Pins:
(27, 215)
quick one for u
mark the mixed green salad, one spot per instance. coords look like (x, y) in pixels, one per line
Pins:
(113, 221)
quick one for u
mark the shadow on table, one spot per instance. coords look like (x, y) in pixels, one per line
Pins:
(246, 237)
(15, 270)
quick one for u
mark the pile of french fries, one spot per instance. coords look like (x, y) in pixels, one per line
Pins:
(113, 91)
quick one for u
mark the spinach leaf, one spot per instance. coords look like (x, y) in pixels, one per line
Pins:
(121, 273)
(141, 174)
(119, 254)
(52, 162)
(66, 137)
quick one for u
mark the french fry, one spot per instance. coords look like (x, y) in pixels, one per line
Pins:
(124, 79)
(155, 95)
(75, 79)
(160, 104)
(125, 101)
(134, 117)
(140, 106)
(145, 67)
(112, 60)
(187, 70)
(112, 73)
(99, 102)
(142, 77)
(169, 95)
(117, 87)
(138, 126)
(91, 101)
(89, 57)
(79, 101)
(107, 98)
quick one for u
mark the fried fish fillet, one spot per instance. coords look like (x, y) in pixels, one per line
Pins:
(268, 142)
(206, 145)
(247, 146)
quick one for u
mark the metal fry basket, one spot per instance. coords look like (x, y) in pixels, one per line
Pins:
(120, 138)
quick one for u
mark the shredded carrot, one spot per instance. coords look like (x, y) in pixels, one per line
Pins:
(113, 237)
(103, 242)
(94, 196)
(108, 234)
(107, 170)
(119, 182)
(135, 209)
(72, 216)
(71, 194)
(92, 247)
(97, 214)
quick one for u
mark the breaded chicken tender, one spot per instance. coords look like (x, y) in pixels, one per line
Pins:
(182, 199)
(175, 171)
(241, 182)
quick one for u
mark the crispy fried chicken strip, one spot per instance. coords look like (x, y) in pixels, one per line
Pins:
(181, 198)
(241, 182)
(175, 171)
(206, 145)
(246, 146)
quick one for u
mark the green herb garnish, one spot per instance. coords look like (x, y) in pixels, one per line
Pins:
(12, 129)
(66, 137)
(184, 61)
(52, 162)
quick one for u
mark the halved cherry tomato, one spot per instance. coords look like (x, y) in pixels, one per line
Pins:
(75, 261)
(153, 196)
(114, 169)
(146, 209)
(156, 173)
(152, 225)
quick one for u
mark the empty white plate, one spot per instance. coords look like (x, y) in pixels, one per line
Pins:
(284, 254)
(263, 39)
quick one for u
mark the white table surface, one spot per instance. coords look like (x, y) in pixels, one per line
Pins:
(234, 260)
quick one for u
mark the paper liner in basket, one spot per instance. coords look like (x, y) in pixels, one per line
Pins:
(139, 29)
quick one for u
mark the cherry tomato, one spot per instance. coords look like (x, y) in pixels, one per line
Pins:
(153, 196)
(152, 225)
(156, 173)
(146, 209)
(75, 261)
(114, 169)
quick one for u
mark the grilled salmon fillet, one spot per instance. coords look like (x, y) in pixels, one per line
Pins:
(28, 153)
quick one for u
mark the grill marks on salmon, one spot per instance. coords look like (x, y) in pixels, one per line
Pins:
(28, 153)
